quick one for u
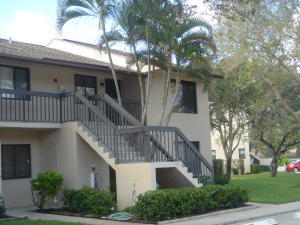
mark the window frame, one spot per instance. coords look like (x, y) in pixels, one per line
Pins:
(196, 100)
(15, 162)
(14, 74)
(242, 154)
(214, 156)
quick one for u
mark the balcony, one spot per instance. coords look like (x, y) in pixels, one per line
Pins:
(42, 107)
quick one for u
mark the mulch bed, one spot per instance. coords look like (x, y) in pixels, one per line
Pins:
(7, 218)
(67, 212)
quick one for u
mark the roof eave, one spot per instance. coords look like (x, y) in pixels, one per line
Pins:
(63, 63)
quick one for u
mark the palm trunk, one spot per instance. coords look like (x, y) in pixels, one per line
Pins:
(166, 91)
(102, 25)
(169, 114)
(149, 78)
(140, 79)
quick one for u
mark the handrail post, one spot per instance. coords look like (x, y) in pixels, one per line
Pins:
(60, 108)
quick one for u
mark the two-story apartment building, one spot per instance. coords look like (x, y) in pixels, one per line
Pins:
(242, 151)
(57, 112)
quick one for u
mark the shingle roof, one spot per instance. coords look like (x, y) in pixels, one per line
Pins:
(39, 53)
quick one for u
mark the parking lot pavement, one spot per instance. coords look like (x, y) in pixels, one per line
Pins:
(291, 218)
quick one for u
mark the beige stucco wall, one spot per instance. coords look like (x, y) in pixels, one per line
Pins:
(195, 126)
(86, 158)
(42, 78)
(52, 149)
(88, 51)
(244, 143)
(16, 193)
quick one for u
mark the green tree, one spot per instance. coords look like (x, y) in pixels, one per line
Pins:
(99, 9)
(268, 32)
(276, 130)
(231, 100)
(169, 38)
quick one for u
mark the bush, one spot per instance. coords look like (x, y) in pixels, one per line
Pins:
(264, 168)
(238, 166)
(219, 176)
(171, 203)
(222, 179)
(2, 207)
(46, 185)
(218, 165)
(255, 168)
(282, 161)
(89, 201)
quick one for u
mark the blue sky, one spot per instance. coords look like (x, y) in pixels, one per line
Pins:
(33, 21)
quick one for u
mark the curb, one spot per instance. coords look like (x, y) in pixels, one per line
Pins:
(222, 212)
(257, 217)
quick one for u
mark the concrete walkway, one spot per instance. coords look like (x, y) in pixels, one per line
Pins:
(237, 216)
(26, 212)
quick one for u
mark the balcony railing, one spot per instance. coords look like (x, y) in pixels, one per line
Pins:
(32, 106)
(113, 125)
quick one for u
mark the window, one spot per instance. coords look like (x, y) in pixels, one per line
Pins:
(214, 155)
(186, 100)
(14, 78)
(242, 153)
(86, 85)
(16, 163)
(196, 144)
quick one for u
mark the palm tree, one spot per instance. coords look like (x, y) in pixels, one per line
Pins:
(128, 32)
(183, 46)
(100, 9)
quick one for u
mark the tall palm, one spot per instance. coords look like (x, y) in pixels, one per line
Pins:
(128, 32)
(185, 46)
(100, 9)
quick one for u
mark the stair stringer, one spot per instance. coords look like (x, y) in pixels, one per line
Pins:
(100, 148)
(182, 169)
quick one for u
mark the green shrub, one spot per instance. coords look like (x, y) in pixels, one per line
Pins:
(89, 201)
(219, 176)
(238, 166)
(264, 168)
(46, 185)
(255, 168)
(171, 203)
(218, 165)
(282, 161)
(222, 179)
(2, 207)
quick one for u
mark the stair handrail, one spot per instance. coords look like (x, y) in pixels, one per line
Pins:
(137, 126)
(121, 110)
(94, 109)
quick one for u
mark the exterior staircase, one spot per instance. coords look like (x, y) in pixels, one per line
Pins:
(120, 138)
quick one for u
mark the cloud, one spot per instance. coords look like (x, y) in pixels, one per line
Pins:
(30, 27)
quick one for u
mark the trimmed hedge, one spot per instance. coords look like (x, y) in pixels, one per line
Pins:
(172, 203)
(255, 168)
(2, 207)
(220, 177)
(89, 201)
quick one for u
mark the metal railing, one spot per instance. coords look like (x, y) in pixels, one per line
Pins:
(123, 134)
(135, 142)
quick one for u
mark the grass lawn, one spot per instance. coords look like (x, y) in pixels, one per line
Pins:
(266, 189)
(37, 222)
